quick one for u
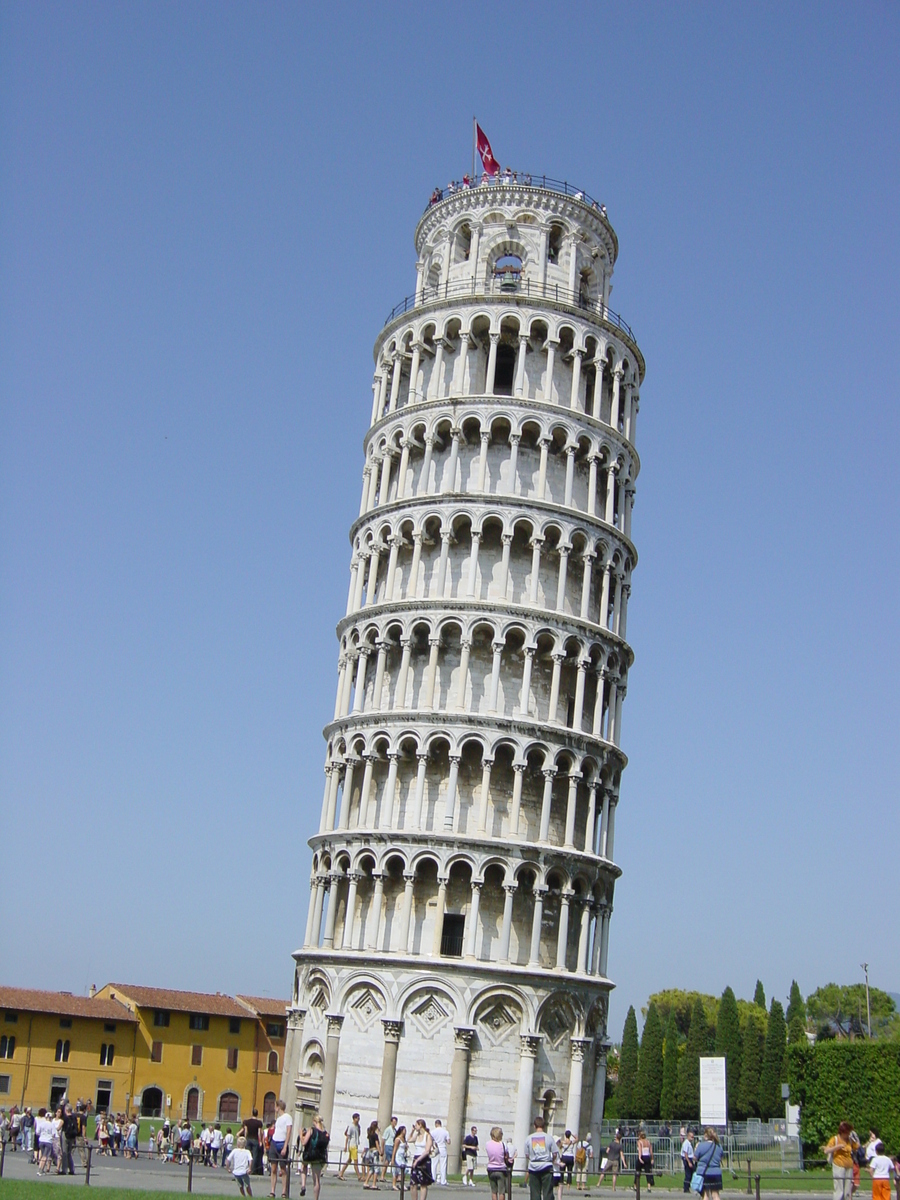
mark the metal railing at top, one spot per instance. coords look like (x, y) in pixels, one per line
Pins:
(518, 179)
(782, 1153)
(511, 287)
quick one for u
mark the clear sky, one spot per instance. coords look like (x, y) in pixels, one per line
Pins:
(206, 212)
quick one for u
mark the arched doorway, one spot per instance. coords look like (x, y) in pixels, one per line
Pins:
(151, 1102)
(192, 1104)
(269, 1107)
(229, 1106)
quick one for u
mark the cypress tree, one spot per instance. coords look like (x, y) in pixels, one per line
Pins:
(670, 1070)
(796, 1017)
(770, 1102)
(748, 1096)
(648, 1085)
(687, 1089)
(759, 996)
(728, 1043)
(628, 1067)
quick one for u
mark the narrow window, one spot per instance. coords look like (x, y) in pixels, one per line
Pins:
(107, 1053)
(232, 1058)
(196, 1056)
(452, 935)
(273, 1061)
(275, 1029)
(104, 1095)
(156, 1052)
(7, 1047)
(160, 1018)
(4, 1085)
(234, 1025)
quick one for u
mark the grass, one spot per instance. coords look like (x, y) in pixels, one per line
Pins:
(28, 1189)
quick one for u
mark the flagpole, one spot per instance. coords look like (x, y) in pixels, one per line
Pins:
(474, 143)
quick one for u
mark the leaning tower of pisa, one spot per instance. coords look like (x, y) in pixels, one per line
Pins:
(454, 962)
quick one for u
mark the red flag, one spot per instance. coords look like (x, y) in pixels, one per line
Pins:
(491, 166)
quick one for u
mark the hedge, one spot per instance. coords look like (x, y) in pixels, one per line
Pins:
(838, 1081)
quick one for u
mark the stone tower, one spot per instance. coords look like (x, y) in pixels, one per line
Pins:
(455, 957)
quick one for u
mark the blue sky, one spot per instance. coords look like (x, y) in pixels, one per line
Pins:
(206, 212)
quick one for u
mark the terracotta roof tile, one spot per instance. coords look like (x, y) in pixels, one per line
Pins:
(216, 1005)
(265, 1006)
(63, 1003)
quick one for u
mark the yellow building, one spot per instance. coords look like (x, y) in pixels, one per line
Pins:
(271, 1027)
(200, 1056)
(54, 1044)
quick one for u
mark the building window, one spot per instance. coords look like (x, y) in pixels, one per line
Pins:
(232, 1058)
(107, 1052)
(273, 1061)
(229, 1105)
(65, 1022)
(196, 1056)
(198, 1021)
(275, 1029)
(4, 1085)
(62, 1050)
(452, 935)
(269, 1107)
(156, 1052)
(151, 1102)
(160, 1018)
(59, 1085)
(234, 1025)
(109, 1027)
(192, 1104)
(104, 1095)
(7, 1046)
(11, 1017)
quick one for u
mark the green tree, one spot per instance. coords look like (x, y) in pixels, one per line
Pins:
(796, 1006)
(682, 1004)
(728, 1043)
(648, 1085)
(687, 1089)
(770, 1101)
(628, 1067)
(670, 1070)
(844, 1009)
(759, 996)
(751, 1064)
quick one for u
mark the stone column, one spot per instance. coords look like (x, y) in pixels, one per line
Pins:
(392, 1030)
(570, 476)
(526, 680)
(591, 822)
(459, 1086)
(581, 676)
(520, 364)
(561, 584)
(534, 958)
(442, 564)
(431, 672)
(382, 647)
(350, 913)
(412, 394)
(454, 460)
(317, 911)
(347, 793)
(385, 485)
(618, 375)
(549, 774)
(439, 919)
(503, 585)
(599, 364)
(587, 568)
(331, 911)
(578, 355)
(409, 881)
(420, 791)
(473, 564)
(497, 648)
(362, 813)
(536, 544)
(360, 697)
(422, 489)
(390, 787)
(485, 791)
(544, 444)
(311, 911)
(403, 673)
(394, 543)
(592, 486)
(292, 1047)
(603, 615)
(403, 468)
(598, 1094)
(514, 439)
(529, 1044)
(576, 1077)
(375, 913)
(465, 647)
(562, 937)
(471, 929)
(509, 890)
(491, 365)
(516, 806)
(610, 512)
(558, 660)
(548, 382)
(571, 804)
(329, 1071)
(482, 460)
(450, 807)
(583, 936)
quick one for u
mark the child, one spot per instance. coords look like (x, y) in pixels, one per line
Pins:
(238, 1163)
(881, 1168)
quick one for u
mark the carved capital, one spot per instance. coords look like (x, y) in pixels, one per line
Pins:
(392, 1029)
(335, 1022)
(529, 1044)
(462, 1037)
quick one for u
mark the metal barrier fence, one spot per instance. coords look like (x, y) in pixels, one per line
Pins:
(781, 1153)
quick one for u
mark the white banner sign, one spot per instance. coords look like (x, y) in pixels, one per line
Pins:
(713, 1097)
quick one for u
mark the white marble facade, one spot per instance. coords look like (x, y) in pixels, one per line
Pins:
(454, 961)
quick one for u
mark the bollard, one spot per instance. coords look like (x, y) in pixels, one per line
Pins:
(2, 1156)
(757, 1187)
(287, 1190)
(402, 1181)
(190, 1169)
(87, 1165)
(509, 1183)
(749, 1181)
(637, 1184)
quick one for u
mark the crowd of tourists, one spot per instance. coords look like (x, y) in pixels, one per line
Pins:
(507, 177)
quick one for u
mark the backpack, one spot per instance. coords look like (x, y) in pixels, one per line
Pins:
(580, 1156)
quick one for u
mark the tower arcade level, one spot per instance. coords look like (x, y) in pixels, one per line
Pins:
(454, 961)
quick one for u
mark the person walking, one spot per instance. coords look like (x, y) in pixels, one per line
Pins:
(239, 1163)
(280, 1148)
(387, 1142)
(584, 1155)
(251, 1131)
(441, 1139)
(709, 1162)
(643, 1160)
(351, 1146)
(839, 1150)
(68, 1138)
(541, 1152)
(688, 1160)
(399, 1158)
(567, 1155)
(470, 1150)
(314, 1152)
(372, 1158)
(881, 1168)
(499, 1163)
(420, 1177)
(613, 1160)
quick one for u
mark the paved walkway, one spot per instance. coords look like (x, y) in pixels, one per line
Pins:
(153, 1175)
